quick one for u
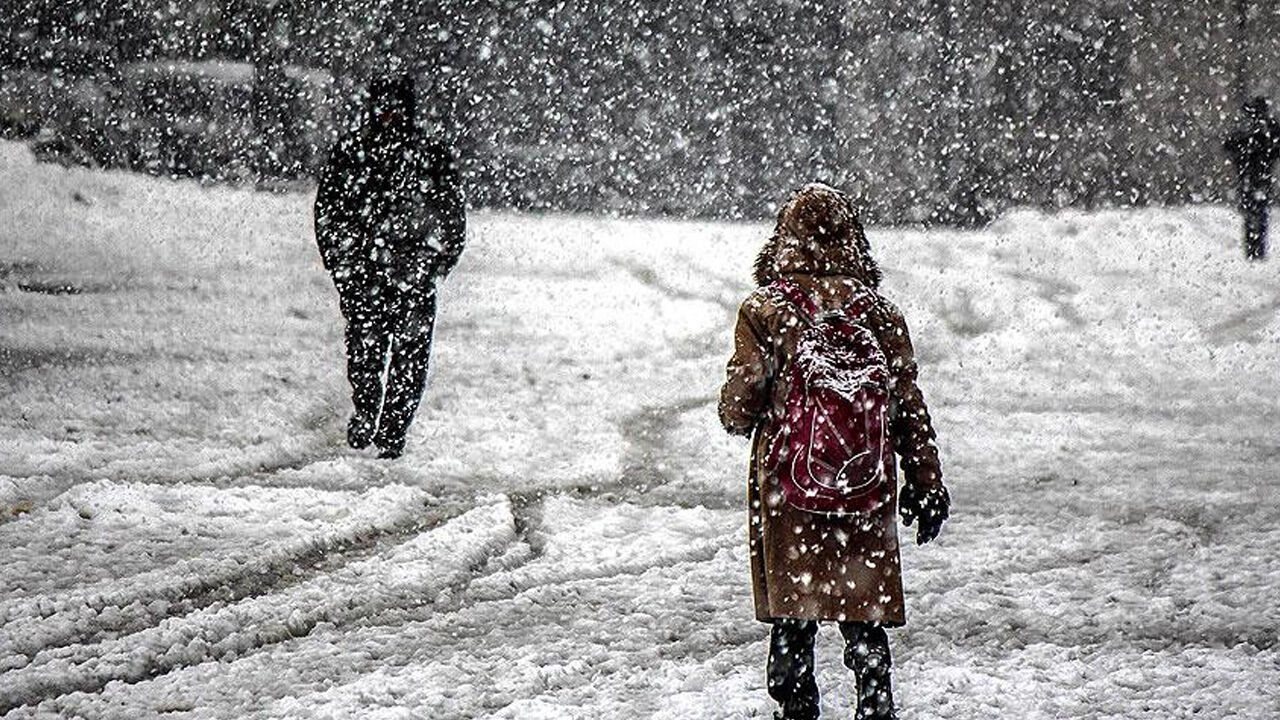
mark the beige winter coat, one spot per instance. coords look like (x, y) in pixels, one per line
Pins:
(807, 566)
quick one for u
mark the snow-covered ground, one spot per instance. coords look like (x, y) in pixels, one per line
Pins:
(184, 534)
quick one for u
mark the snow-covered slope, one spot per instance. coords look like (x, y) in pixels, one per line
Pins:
(185, 535)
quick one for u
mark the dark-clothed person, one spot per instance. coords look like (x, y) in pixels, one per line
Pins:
(1254, 149)
(808, 567)
(390, 223)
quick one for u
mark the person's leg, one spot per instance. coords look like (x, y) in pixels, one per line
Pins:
(866, 653)
(1264, 213)
(1255, 212)
(1250, 231)
(407, 373)
(790, 669)
(367, 344)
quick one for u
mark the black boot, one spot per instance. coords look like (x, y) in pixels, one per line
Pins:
(790, 671)
(391, 450)
(360, 430)
(866, 653)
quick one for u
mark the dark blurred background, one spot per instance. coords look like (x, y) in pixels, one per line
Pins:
(933, 110)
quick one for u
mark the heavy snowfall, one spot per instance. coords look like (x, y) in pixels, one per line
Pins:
(185, 533)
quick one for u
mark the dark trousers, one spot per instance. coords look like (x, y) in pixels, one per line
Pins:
(1255, 229)
(790, 671)
(388, 333)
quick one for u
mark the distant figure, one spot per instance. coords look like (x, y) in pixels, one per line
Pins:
(823, 377)
(390, 222)
(1254, 149)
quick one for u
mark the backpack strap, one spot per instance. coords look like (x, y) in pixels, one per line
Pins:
(798, 299)
(862, 303)
(859, 305)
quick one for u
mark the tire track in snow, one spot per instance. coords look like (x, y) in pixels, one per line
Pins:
(700, 345)
(573, 567)
(317, 443)
(582, 570)
(32, 625)
(376, 646)
(488, 589)
(447, 557)
(961, 318)
(618, 678)
(1055, 291)
(649, 465)
(494, 585)
(647, 276)
(1244, 325)
(1025, 630)
(648, 460)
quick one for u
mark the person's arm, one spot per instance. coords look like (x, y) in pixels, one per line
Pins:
(745, 394)
(330, 222)
(452, 204)
(923, 495)
(1272, 137)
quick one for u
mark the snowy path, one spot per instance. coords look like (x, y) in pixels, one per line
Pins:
(185, 535)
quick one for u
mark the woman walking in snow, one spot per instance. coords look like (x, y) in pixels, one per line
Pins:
(823, 374)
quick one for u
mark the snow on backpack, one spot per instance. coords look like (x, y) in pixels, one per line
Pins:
(830, 450)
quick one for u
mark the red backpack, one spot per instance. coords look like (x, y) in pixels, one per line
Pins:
(831, 451)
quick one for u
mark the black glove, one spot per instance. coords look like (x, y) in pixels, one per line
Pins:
(931, 507)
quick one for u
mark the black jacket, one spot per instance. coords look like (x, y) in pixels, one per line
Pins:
(389, 209)
(1254, 149)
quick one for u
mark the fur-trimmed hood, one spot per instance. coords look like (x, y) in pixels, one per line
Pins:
(818, 232)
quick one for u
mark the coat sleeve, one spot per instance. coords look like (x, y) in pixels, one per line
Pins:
(453, 210)
(744, 397)
(1273, 140)
(331, 222)
(910, 424)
